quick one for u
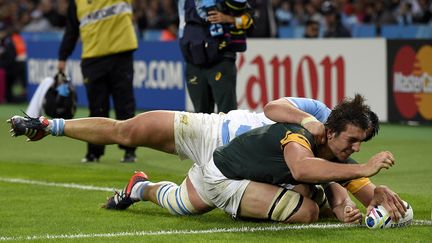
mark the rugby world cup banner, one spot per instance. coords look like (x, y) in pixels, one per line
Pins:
(158, 77)
(327, 70)
(410, 80)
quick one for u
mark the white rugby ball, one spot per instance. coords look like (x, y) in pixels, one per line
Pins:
(379, 218)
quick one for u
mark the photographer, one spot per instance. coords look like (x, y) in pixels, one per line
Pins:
(211, 32)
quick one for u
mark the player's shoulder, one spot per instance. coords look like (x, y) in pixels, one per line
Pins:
(292, 128)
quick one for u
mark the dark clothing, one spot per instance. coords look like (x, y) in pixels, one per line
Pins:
(258, 154)
(7, 63)
(208, 86)
(71, 33)
(265, 21)
(339, 31)
(107, 75)
(210, 58)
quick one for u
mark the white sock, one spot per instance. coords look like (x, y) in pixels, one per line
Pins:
(137, 192)
(56, 126)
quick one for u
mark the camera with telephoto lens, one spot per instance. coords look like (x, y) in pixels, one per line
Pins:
(215, 29)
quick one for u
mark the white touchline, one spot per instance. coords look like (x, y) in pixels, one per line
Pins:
(163, 232)
(193, 232)
(67, 185)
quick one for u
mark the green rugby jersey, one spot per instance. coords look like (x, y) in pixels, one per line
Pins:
(257, 155)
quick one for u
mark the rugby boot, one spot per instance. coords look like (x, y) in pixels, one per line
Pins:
(122, 200)
(34, 128)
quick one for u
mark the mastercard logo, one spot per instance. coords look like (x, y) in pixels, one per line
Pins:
(412, 82)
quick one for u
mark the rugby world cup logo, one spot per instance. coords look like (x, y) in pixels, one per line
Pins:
(411, 77)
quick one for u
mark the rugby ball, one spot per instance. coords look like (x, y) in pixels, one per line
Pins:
(379, 218)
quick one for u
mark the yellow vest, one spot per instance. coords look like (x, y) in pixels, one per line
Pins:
(105, 27)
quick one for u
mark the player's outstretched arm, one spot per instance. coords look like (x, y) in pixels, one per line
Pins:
(371, 196)
(305, 167)
(282, 110)
(341, 204)
(377, 162)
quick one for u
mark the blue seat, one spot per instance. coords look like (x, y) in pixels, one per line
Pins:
(424, 32)
(399, 31)
(42, 36)
(363, 30)
(286, 32)
(152, 35)
(298, 31)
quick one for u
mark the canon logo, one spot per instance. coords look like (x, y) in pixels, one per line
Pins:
(307, 76)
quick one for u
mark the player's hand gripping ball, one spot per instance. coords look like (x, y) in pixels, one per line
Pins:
(379, 218)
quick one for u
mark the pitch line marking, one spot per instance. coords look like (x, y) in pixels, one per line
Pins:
(193, 232)
(66, 185)
(168, 232)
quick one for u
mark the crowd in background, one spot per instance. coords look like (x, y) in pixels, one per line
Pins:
(50, 15)
(331, 18)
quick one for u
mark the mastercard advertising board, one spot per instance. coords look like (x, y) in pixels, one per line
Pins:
(409, 81)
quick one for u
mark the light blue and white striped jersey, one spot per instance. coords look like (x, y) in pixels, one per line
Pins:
(237, 122)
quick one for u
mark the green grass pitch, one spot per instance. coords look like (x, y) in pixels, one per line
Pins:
(35, 203)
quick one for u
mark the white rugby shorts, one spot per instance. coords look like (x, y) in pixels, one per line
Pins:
(225, 193)
(196, 136)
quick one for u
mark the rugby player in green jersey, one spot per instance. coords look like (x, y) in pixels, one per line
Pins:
(253, 176)
(171, 132)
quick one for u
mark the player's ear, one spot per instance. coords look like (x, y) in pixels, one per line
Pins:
(330, 134)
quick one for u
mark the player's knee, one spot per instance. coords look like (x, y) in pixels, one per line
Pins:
(175, 199)
(309, 212)
(125, 133)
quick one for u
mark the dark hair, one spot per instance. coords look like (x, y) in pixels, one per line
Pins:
(374, 127)
(356, 112)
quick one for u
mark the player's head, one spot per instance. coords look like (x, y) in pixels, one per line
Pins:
(350, 123)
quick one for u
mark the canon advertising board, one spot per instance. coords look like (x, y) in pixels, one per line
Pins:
(327, 70)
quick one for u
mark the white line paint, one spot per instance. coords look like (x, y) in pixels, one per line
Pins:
(66, 185)
(193, 232)
(164, 232)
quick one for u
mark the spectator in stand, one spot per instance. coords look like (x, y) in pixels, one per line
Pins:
(300, 16)
(349, 19)
(334, 26)
(56, 18)
(169, 33)
(382, 15)
(265, 21)
(405, 16)
(153, 15)
(140, 18)
(312, 29)
(168, 13)
(313, 13)
(38, 23)
(20, 77)
(7, 62)
(425, 14)
(283, 14)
